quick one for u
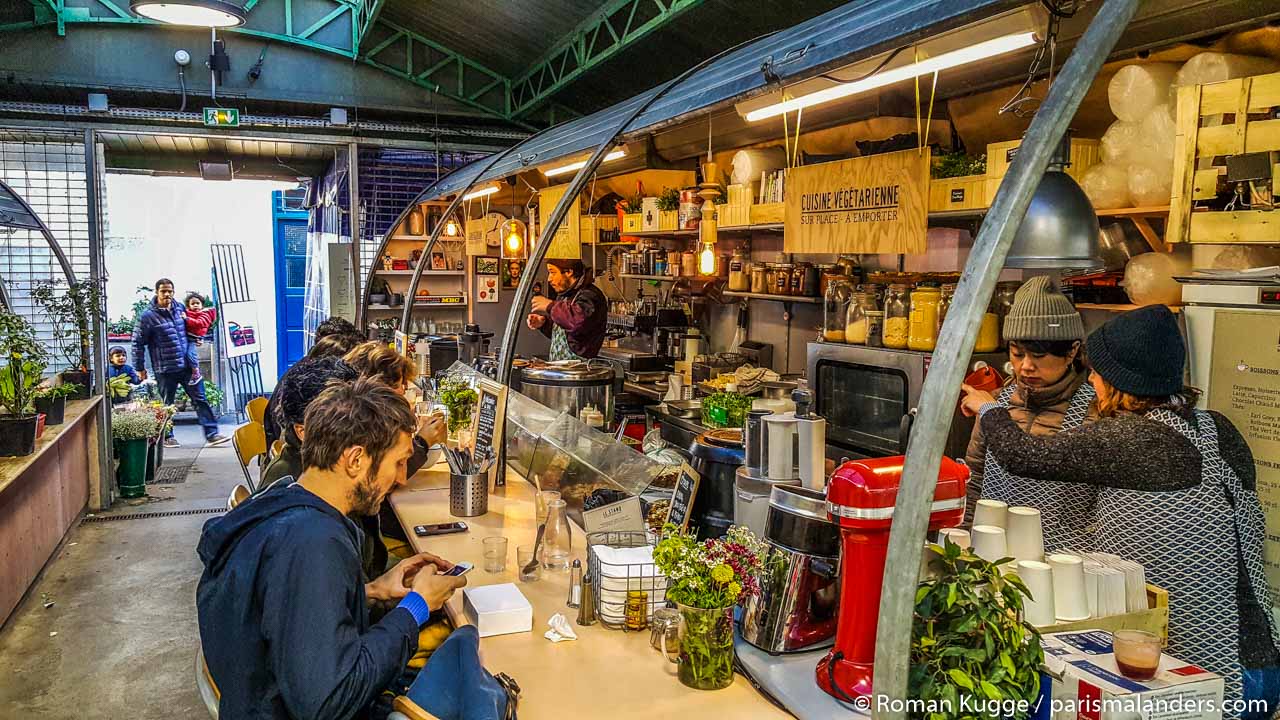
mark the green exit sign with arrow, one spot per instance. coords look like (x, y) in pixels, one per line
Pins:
(221, 117)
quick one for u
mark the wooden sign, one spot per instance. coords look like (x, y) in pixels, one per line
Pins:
(622, 516)
(487, 420)
(565, 243)
(682, 497)
(873, 204)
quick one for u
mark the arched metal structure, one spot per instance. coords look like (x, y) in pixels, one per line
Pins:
(16, 213)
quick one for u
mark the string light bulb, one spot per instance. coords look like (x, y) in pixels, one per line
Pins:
(451, 228)
(707, 260)
(514, 240)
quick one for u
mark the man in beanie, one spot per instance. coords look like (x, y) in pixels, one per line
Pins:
(575, 320)
(1049, 394)
(1177, 493)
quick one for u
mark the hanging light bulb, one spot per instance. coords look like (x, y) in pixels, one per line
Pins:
(513, 239)
(451, 228)
(707, 260)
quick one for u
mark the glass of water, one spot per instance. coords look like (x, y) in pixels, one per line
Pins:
(495, 554)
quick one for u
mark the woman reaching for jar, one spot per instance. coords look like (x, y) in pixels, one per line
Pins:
(1050, 394)
(1177, 493)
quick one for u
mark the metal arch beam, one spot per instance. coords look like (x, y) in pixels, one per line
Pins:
(32, 222)
(612, 28)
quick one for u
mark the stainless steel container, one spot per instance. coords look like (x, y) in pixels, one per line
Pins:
(468, 494)
(751, 493)
(570, 385)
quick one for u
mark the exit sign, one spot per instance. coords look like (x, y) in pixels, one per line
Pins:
(221, 117)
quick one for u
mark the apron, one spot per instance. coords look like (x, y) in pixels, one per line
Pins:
(1065, 508)
(560, 346)
(1188, 541)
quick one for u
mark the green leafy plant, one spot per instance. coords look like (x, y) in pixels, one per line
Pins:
(25, 362)
(212, 393)
(970, 647)
(957, 164)
(126, 323)
(119, 386)
(669, 199)
(134, 424)
(459, 398)
(53, 392)
(71, 312)
(711, 574)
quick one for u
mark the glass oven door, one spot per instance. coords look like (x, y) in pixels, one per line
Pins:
(863, 405)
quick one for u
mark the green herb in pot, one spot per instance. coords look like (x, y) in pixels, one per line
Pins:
(725, 409)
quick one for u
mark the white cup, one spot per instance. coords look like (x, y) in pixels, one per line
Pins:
(1025, 533)
(928, 563)
(1069, 601)
(989, 542)
(959, 536)
(991, 512)
(1038, 578)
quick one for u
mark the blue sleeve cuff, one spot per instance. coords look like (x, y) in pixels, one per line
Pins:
(417, 606)
(986, 407)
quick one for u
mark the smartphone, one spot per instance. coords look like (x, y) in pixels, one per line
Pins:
(441, 529)
(461, 568)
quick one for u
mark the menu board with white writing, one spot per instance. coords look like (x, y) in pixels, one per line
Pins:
(682, 497)
(486, 421)
(1244, 386)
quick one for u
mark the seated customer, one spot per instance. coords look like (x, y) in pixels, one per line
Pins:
(334, 338)
(303, 383)
(283, 613)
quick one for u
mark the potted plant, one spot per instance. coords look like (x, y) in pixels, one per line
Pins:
(212, 393)
(969, 639)
(21, 373)
(72, 312)
(130, 431)
(52, 401)
(378, 292)
(706, 579)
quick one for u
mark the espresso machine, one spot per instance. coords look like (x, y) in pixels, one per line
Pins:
(860, 499)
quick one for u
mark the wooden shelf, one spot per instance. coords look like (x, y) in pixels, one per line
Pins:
(420, 306)
(425, 273)
(771, 227)
(1153, 211)
(778, 298)
(659, 278)
(1118, 307)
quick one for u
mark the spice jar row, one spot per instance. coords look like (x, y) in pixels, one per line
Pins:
(903, 316)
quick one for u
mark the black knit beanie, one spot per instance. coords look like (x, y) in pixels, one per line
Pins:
(1140, 352)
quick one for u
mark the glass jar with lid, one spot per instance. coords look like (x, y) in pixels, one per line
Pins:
(897, 315)
(875, 328)
(1002, 303)
(758, 273)
(739, 272)
(782, 278)
(855, 327)
(922, 330)
(944, 304)
(835, 306)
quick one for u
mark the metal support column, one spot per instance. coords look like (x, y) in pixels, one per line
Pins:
(942, 385)
(99, 344)
(353, 207)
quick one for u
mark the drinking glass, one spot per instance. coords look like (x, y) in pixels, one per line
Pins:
(556, 540)
(544, 499)
(530, 571)
(495, 554)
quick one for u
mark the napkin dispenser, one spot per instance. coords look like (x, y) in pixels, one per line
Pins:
(497, 609)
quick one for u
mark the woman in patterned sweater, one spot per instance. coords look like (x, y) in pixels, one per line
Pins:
(1177, 493)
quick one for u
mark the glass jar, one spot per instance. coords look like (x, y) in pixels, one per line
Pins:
(922, 331)
(782, 278)
(834, 310)
(1002, 303)
(557, 543)
(758, 282)
(636, 611)
(706, 647)
(855, 327)
(944, 303)
(739, 272)
(897, 315)
(664, 632)
(988, 333)
(875, 328)
(825, 273)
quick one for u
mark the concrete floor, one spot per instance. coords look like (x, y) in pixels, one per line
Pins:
(120, 639)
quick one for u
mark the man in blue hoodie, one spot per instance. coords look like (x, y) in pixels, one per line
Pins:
(283, 606)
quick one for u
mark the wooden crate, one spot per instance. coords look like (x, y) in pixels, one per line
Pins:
(1085, 153)
(740, 195)
(1155, 619)
(768, 214)
(958, 193)
(668, 220)
(589, 227)
(1214, 122)
(633, 223)
(734, 215)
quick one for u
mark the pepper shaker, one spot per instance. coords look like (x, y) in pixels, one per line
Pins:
(587, 608)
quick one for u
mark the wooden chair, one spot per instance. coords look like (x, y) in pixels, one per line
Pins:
(250, 441)
(408, 710)
(239, 494)
(276, 447)
(256, 409)
(204, 682)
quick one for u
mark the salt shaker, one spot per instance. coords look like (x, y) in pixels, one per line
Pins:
(575, 584)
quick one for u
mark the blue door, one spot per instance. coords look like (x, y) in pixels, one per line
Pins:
(290, 234)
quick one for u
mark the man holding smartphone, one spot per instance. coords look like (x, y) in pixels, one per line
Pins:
(283, 612)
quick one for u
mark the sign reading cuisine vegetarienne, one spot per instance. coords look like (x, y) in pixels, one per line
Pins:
(872, 204)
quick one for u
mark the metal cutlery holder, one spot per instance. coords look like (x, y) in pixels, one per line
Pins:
(468, 494)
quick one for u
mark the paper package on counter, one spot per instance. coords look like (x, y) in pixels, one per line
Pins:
(1087, 683)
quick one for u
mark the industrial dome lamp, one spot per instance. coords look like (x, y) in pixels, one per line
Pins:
(194, 13)
(1060, 229)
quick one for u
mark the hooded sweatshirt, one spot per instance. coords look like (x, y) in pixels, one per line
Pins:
(282, 612)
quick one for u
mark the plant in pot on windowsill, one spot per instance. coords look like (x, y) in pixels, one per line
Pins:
(72, 312)
(969, 639)
(21, 372)
(706, 580)
(52, 401)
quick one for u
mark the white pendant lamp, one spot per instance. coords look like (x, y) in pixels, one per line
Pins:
(193, 13)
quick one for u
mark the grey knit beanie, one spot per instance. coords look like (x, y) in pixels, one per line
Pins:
(1041, 312)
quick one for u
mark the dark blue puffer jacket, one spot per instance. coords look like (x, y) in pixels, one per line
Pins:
(161, 334)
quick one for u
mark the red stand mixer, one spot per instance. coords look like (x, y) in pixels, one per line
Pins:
(860, 499)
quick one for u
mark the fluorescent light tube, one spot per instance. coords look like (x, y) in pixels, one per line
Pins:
(955, 58)
(572, 167)
(480, 193)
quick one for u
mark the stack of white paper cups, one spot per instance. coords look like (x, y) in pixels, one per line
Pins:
(989, 542)
(1025, 534)
(991, 512)
(1038, 578)
(958, 536)
(1069, 601)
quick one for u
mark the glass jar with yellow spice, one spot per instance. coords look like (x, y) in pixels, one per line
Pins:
(897, 314)
(834, 308)
(855, 327)
(922, 331)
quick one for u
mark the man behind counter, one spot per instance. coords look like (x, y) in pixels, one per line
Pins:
(577, 316)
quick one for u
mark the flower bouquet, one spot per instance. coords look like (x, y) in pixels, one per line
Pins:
(707, 579)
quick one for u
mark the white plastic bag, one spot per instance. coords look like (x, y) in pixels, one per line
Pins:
(1138, 88)
(1148, 278)
(1150, 184)
(1211, 67)
(1120, 142)
(1107, 186)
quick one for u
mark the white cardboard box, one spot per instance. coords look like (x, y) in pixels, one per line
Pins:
(497, 609)
(649, 214)
(1087, 684)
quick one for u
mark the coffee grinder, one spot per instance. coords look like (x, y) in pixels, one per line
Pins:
(860, 499)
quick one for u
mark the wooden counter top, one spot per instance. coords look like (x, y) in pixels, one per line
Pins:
(11, 468)
(604, 673)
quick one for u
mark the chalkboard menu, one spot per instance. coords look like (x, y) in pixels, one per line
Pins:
(486, 421)
(682, 497)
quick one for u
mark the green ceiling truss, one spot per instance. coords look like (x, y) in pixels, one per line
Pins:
(354, 29)
(612, 28)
